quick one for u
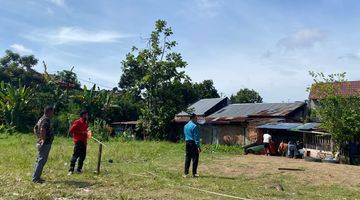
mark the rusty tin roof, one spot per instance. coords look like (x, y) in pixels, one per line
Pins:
(241, 112)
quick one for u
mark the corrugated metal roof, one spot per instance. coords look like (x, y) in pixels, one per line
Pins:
(282, 126)
(308, 126)
(202, 106)
(240, 111)
(348, 88)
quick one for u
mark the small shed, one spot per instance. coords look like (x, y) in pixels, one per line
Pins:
(121, 127)
(317, 143)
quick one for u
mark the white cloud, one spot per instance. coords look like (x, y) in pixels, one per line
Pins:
(60, 3)
(70, 35)
(304, 38)
(21, 49)
(208, 8)
(350, 56)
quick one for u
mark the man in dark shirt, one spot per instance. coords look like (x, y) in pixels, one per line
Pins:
(45, 138)
(79, 131)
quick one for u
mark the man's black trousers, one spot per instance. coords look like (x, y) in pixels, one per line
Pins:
(79, 154)
(192, 154)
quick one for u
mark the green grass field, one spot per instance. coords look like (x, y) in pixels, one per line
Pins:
(152, 170)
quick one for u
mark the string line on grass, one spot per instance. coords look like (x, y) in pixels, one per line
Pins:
(215, 193)
(189, 187)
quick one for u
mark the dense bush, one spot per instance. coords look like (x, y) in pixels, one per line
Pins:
(101, 130)
(24, 93)
(7, 129)
(62, 122)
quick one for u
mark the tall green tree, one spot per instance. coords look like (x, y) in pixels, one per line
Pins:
(206, 89)
(12, 59)
(246, 96)
(151, 73)
(68, 79)
(14, 67)
(187, 93)
(339, 114)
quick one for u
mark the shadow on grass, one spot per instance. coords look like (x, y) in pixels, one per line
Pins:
(78, 184)
(217, 177)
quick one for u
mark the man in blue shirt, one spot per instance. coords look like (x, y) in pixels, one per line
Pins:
(192, 138)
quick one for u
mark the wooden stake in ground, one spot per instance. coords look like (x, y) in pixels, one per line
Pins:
(100, 152)
(99, 159)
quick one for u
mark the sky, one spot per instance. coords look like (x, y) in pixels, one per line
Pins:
(269, 45)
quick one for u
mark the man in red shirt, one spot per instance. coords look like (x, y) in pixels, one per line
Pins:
(79, 132)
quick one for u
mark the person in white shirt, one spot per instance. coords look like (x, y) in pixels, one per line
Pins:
(266, 141)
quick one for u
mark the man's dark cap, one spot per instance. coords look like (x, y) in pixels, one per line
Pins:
(83, 112)
(47, 109)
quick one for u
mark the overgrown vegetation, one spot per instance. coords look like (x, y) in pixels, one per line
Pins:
(14, 101)
(101, 130)
(339, 113)
(152, 89)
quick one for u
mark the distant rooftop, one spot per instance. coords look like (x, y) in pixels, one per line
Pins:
(348, 88)
(202, 106)
(233, 111)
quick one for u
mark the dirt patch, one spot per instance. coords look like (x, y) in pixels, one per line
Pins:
(254, 166)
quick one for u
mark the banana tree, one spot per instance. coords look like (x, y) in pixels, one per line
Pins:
(95, 101)
(13, 102)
